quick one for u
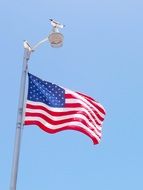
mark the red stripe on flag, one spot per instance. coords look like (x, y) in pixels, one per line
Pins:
(90, 100)
(76, 105)
(63, 113)
(52, 131)
(62, 121)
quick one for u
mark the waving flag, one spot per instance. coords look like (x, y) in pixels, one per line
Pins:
(54, 108)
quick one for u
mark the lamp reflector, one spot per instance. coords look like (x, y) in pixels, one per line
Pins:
(56, 39)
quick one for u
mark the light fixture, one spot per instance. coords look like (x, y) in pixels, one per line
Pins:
(56, 38)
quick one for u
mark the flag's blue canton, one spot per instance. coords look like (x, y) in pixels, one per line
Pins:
(45, 92)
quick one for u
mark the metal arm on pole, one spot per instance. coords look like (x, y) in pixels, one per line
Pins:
(39, 43)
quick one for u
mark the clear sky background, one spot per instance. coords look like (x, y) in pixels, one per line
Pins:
(102, 56)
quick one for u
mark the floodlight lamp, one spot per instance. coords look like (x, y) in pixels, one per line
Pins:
(56, 39)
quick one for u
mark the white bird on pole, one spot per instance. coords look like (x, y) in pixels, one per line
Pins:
(27, 45)
(56, 24)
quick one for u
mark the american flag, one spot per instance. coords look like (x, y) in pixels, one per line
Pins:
(54, 108)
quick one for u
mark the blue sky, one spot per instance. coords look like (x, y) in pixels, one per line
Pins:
(102, 57)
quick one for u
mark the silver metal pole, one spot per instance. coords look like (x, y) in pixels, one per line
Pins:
(21, 106)
(20, 120)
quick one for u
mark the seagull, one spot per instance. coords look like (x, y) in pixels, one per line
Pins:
(56, 24)
(27, 45)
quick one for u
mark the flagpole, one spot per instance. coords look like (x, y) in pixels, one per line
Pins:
(56, 40)
(20, 119)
